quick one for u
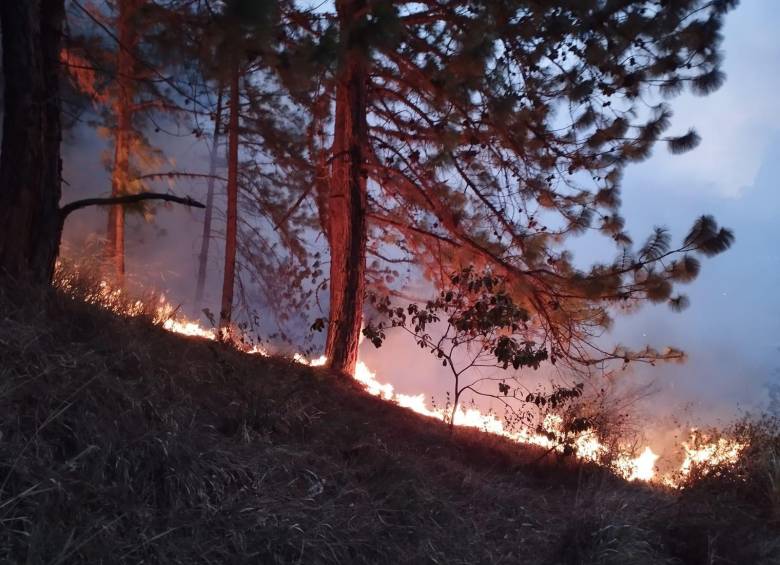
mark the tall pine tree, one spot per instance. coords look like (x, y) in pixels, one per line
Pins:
(119, 55)
(244, 46)
(490, 131)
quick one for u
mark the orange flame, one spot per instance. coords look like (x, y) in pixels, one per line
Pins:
(703, 454)
(699, 453)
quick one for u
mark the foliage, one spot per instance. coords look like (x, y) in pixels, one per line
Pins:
(497, 131)
(277, 266)
(92, 58)
(474, 325)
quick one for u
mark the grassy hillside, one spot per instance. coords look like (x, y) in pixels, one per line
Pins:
(122, 443)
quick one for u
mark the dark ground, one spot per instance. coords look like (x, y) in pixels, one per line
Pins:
(122, 443)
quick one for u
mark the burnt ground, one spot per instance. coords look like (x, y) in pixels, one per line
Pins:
(123, 443)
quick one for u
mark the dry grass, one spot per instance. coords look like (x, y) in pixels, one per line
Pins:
(122, 443)
(731, 514)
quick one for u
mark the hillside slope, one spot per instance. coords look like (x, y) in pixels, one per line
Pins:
(122, 443)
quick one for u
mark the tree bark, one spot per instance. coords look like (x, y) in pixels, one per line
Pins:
(347, 201)
(203, 256)
(30, 166)
(231, 227)
(120, 174)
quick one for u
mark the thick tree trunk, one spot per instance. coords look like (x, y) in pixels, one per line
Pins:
(231, 227)
(120, 174)
(203, 256)
(30, 224)
(347, 200)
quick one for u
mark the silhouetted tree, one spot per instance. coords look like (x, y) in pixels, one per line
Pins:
(245, 46)
(476, 329)
(30, 221)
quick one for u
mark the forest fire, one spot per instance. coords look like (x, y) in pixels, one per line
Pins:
(587, 445)
(457, 184)
(700, 454)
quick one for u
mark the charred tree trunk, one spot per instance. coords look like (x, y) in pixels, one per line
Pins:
(203, 257)
(231, 227)
(347, 200)
(120, 174)
(30, 225)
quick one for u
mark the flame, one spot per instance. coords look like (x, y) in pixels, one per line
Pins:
(702, 454)
(640, 468)
(588, 447)
(699, 453)
(188, 328)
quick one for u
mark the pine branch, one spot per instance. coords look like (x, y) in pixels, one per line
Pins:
(683, 143)
(498, 214)
(657, 245)
(167, 80)
(405, 226)
(294, 207)
(128, 199)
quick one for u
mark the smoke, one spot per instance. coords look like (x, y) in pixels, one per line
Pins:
(161, 250)
(731, 332)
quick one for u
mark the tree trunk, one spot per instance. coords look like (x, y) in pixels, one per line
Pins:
(30, 224)
(203, 257)
(231, 227)
(120, 174)
(347, 200)
(455, 402)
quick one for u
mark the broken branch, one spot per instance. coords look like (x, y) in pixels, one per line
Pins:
(128, 199)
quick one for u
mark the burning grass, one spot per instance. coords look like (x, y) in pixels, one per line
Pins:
(123, 443)
(602, 439)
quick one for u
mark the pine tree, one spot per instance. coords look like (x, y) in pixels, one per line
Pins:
(266, 169)
(123, 114)
(113, 57)
(347, 198)
(488, 132)
(231, 222)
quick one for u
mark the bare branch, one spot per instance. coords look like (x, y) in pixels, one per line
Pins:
(176, 174)
(127, 199)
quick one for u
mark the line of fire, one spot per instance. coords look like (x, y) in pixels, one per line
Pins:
(381, 281)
